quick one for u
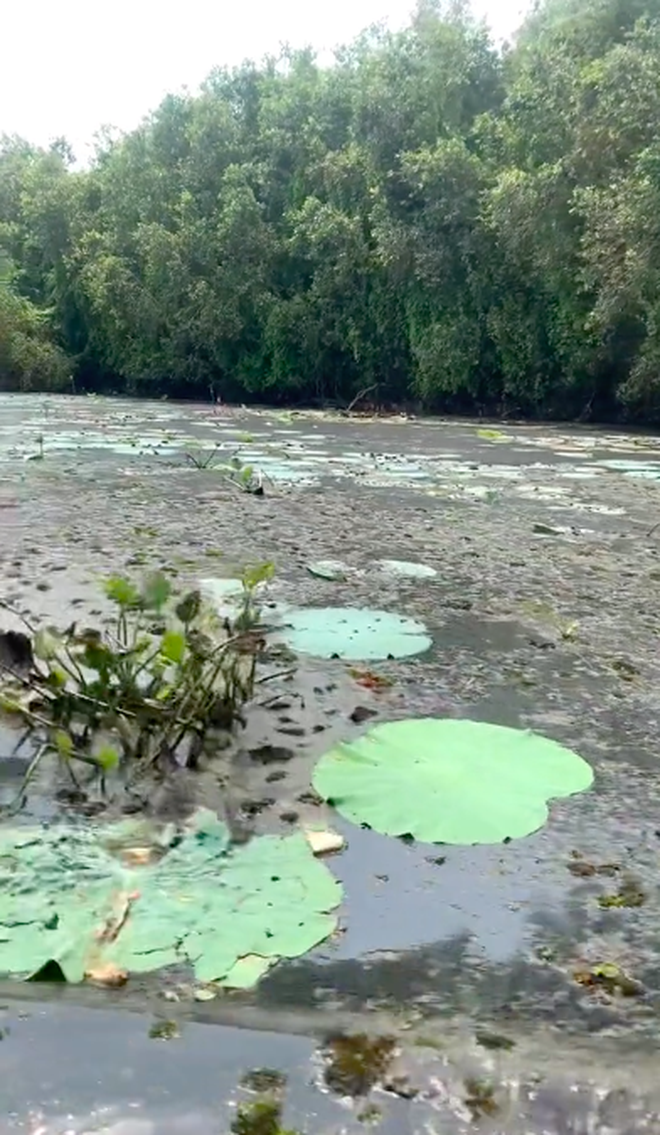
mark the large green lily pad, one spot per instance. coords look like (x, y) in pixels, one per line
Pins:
(355, 633)
(67, 898)
(445, 781)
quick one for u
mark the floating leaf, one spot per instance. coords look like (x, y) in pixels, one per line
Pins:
(71, 902)
(611, 978)
(353, 633)
(546, 530)
(446, 781)
(370, 680)
(108, 975)
(408, 569)
(333, 570)
(323, 841)
(205, 994)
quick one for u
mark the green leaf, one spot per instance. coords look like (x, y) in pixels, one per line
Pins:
(354, 633)
(107, 757)
(60, 886)
(446, 781)
(173, 646)
(97, 656)
(607, 970)
(12, 702)
(122, 592)
(46, 644)
(333, 570)
(64, 744)
(156, 591)
(253, 576)
(187, 608)
(57, 677)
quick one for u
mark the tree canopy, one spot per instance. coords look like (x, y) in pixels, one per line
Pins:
(444, 221)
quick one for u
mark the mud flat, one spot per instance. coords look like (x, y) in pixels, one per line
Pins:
(528, 556)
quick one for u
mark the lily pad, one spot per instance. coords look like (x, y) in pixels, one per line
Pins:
(354, 633)
(408, 569)
(447, 781)
(333, 570)
(649, 470)
(69, 900)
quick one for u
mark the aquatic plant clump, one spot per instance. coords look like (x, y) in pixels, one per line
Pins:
(150, 688)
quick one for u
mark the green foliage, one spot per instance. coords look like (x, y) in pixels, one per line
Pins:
(103, 902)
(152, 689)
(232, 468)
(28, 359)
(430, 218)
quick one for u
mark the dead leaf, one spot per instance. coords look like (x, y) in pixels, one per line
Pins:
(369, 680)
(324, 842)
(137, 856)
(611, 978)
(203, 993)
(107, 974)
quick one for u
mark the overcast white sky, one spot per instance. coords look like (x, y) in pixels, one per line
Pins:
(71, 66)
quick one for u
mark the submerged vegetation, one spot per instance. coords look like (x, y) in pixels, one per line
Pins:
(432, 219)
(356, 1062)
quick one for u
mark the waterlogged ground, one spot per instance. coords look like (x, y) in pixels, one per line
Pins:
(542, 614)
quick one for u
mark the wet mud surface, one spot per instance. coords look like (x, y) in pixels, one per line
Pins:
(542, 614)
(127, 1074)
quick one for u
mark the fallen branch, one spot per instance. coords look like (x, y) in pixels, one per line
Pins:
(360, 396)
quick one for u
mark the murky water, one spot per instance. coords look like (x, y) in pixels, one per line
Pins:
(542, 613)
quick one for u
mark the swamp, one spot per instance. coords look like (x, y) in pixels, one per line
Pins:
(409, 880)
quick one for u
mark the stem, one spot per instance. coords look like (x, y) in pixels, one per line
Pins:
(31, 769)
(17, 614)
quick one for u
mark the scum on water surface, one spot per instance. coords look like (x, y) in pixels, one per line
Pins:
(541, 613)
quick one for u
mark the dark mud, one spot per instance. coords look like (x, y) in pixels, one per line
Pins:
(543, 614)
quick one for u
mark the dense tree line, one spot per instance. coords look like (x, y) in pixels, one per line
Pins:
(442, 221)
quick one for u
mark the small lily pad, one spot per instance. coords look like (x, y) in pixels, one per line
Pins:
(333, 570)
(354, 633)
(408, 569)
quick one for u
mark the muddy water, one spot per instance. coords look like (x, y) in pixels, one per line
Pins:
(543, 614)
